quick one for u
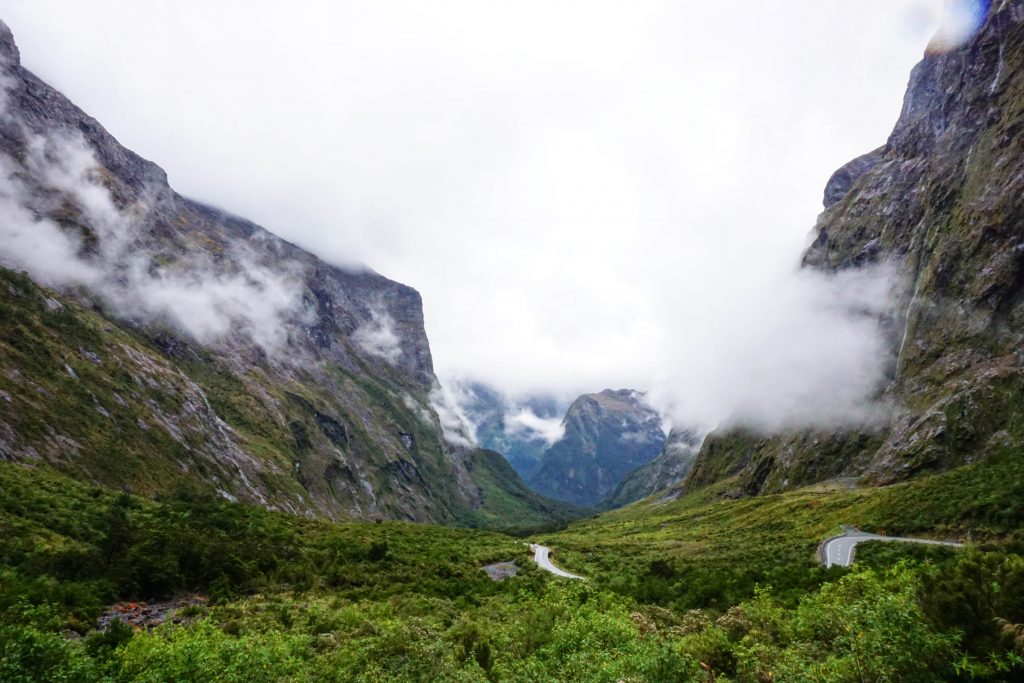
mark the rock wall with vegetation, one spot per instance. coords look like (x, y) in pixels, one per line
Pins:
(607, 436)
(671, 466)
(943, 202)
(177, 346)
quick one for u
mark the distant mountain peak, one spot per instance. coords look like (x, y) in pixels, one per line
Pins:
(607, 435)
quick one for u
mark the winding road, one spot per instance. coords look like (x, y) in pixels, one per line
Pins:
(838, 551)
(541, 557)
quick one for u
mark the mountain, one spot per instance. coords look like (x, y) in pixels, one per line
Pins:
(943, 202)
(508, 503)
(100, 385)
(607, 435)
(670, 467)
(509, 426)
(152, 343)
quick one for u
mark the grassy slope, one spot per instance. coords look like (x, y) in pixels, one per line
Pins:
(40, 347)
(292, 598)
(702, 550)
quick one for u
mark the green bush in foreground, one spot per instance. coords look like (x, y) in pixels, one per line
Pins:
(866, 626)
(862, 627)
(203, 653)
(302, 600)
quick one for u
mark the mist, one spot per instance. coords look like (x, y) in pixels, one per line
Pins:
(377, 337)
(204, 300)
(458, 427)
(524, 422)
(587, 195)
(802, 349)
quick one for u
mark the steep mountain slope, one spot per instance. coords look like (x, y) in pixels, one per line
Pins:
(943, 201)
(507, 503)
(670, 467)
(607, 435)
(157, 342)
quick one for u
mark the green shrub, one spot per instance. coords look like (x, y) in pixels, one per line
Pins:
(31, 655)
(201, 653)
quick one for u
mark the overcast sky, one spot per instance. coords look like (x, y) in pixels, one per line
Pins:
(587, 194)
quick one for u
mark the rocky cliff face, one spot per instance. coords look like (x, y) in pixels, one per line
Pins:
(607, 435)
(943, 200)
(158, 343)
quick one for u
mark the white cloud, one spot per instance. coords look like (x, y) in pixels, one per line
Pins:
(587, 194)
(804, 349)
(36, 245)
(525, 422)
(416, 407)
(457, 427)
(641, 437)
(206, 301)
(961, 20)
(377, 336)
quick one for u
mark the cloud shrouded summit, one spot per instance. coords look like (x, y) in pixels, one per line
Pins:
(586, 194)
(205, 299)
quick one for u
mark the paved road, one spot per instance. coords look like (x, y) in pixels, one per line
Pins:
(540, 556)
(839, 550)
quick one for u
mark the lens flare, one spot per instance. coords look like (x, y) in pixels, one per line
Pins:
(961, 21)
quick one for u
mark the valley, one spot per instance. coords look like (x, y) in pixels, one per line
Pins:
(208, 426)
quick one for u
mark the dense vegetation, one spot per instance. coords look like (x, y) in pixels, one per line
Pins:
(705, 550)
(730, 587)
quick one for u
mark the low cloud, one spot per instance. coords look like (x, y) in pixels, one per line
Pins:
(769, 347)
(806, 349)
(377, 336)
(457, 427)
(650, 244)
(641, 437)
(524, 423)
(104, 251)
(420, 411)
(961, 20)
